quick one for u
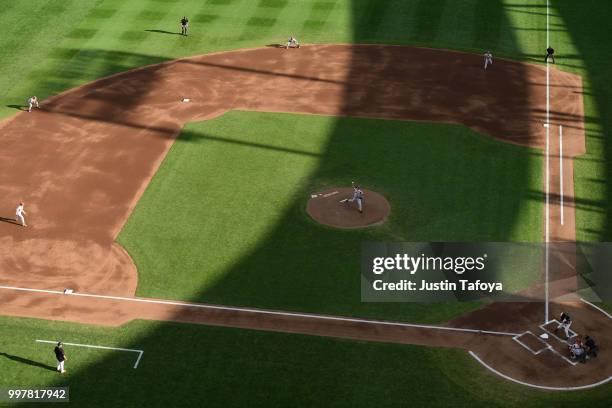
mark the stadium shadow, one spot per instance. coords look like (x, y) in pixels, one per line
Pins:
(367, 16)
(597, 60)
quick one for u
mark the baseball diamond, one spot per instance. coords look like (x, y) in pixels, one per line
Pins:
(190, 200)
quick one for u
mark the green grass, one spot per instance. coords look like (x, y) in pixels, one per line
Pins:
(188, 365)
(52, 45)
(235, 228)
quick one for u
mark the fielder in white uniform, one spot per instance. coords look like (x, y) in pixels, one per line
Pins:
(488, 59)
(20, 212)
(33, 101)
(292, 42)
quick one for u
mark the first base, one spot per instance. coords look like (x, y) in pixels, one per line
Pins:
(68, 291)
(185, 100)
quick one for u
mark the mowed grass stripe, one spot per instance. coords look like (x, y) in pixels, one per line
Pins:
(428, 19)
(457, 23)
(78, 41)
(30, 34)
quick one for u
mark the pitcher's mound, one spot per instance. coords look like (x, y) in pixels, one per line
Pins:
(326, 208)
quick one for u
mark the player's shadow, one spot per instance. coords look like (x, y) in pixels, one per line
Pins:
(163, 32)
(275, 45)
(18, 107)
(9, 220)
(28, 362)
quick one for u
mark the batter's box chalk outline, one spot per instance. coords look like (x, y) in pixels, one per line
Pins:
(91, 346)
(569, 360)
(566, 341)
(545, 346)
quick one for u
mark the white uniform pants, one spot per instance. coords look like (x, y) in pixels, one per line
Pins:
(359, 203)
(20, 218)
(566, 327)
(488, 61)
(60, 366)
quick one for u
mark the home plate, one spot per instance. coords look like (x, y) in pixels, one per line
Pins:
(544, 336)
(185, 100)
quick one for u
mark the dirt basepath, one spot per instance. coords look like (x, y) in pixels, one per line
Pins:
(82, 162)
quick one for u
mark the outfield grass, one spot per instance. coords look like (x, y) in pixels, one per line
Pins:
(224, 218)
(189, 365)
(52, 45)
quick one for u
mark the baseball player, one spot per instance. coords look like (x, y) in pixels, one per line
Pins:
(292, 42)
(33, 101)
(591, 347)
(550, 53)
(577, 351)
(357, 196)
(60, 356)
(20, 212)
(565, 321)
(184, 25)
(488, 57)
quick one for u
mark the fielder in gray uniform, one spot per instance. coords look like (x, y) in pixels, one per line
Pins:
(292, 42)
(32, 102)
(488, 59)
(357, 196)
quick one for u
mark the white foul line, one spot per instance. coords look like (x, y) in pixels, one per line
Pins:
(262, 311)
(541, 387)
(597, 307)
(140, 352)
(547, 211)
(561, 168)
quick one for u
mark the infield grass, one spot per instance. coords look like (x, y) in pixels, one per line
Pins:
(224, 219)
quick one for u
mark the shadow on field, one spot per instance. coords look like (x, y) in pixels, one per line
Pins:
(18, 107)
(26, 361)
(86, 65)
(588, 25)
(279, 257)
(9, 220)
(163, 32)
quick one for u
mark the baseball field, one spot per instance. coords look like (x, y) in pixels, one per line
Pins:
(167, 182)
